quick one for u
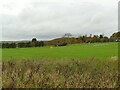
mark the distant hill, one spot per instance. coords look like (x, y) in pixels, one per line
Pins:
(14, 41)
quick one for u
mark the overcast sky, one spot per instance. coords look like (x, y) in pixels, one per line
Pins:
(48, 19)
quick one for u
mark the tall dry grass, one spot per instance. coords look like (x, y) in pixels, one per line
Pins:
(73, 73)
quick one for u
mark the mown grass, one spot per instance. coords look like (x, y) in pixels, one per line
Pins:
(99, 50)
(72, 73)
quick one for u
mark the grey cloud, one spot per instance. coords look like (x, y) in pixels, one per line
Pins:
(47, 20)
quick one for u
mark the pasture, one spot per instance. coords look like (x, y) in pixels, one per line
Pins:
(92, 65)
(96, 50)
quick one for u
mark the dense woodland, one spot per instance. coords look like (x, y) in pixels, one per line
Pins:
(63, 41)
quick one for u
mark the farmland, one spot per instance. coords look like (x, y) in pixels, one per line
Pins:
(97, 50)
(92, 65)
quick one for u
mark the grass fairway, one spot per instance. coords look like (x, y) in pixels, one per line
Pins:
(97, 50)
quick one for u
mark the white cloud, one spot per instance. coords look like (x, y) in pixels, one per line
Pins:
(46, 19)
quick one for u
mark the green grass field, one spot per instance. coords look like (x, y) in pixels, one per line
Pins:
(74, 66)
(97, 50)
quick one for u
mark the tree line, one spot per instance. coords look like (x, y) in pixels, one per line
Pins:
(33, 43)
(66, 39)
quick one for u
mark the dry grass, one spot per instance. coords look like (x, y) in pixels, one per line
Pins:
(0, 74)
(74, 73)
